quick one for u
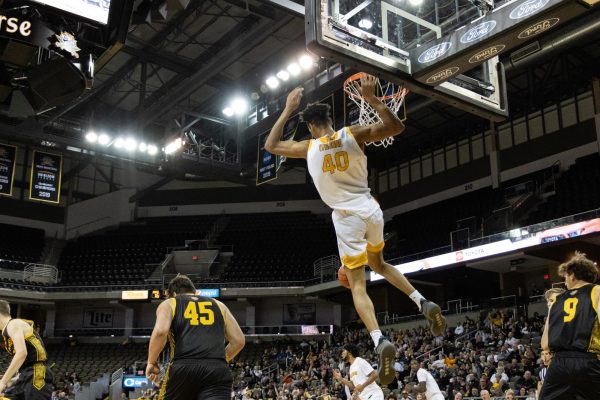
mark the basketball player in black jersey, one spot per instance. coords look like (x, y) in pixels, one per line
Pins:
(572, 332)
(29, 359)
(196, 328)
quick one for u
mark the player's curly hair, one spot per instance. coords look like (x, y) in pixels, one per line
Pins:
(582, 267)
(317, 114)
(352, 349)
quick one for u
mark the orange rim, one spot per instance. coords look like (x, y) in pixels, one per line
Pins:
(356, 77)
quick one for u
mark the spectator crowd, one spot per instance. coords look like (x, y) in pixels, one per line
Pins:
(497, 356)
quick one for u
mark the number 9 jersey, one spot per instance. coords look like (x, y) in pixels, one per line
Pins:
(573, 324)
(338, 167)
(197, 330)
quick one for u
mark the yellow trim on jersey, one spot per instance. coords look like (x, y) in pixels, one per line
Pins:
(594, 297)
(310, 143)
(325, 139)
(594, 345)
(39, 376)
(350, 131)
(356, 261)
(171, 345)
(173, 303)
(40, 353)
(371, 248)
(163, 387)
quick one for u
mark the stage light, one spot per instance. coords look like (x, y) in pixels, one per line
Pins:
(119, 143)
(91, 137)
(103, 139)
(366, 23)
(283, 75)
(272, 82)
(152, 149)
(173, 146)
(415, 3)
(294, 69)
(130, 144)
(306, 61)
(228, 112)
(239, 105)
(143, 147)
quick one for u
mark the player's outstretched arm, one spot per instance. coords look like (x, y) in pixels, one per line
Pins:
(287, 148)
(233, 334)
(390, 123)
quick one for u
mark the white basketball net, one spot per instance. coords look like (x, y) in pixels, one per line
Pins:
(368, 115)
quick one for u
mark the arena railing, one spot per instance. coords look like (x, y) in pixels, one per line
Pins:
(29, 272)
(438, 348)
(325, 268)
(539, 227)
(249, 330)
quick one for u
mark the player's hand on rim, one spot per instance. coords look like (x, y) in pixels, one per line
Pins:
(368, 85)
(294, 99)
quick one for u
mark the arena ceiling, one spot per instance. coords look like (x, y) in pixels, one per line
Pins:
(200, 56)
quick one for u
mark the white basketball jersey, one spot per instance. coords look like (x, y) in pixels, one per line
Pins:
(433, 390)
(359, 374)
(338, 167)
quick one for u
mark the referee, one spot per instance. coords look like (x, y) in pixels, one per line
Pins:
(572, 332)
(196, 328)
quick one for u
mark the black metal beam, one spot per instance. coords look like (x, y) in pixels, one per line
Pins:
(112, 186)
(258, 11)
(286, 5)
(197, 117)
(229, 48)
(166, 60)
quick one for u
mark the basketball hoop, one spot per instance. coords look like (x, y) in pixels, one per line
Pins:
(392, 95)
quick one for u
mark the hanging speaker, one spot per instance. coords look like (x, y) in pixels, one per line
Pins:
(54, 83)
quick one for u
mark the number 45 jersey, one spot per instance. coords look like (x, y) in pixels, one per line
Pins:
(338, 167)
(197, 330)
(573, 324)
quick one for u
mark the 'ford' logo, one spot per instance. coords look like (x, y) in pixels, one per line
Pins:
(528, 8)
(442, 75)
(478, 32)
(435, 52)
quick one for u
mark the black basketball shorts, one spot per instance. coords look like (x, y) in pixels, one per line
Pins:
(572, 375)
(209, 379)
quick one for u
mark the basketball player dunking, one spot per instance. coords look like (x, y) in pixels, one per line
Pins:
(572, 332)
(338, 166)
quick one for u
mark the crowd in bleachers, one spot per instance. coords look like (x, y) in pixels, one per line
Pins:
(499, 353)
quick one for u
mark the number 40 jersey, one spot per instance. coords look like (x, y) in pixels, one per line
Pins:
(197, 330)
(573, 324)
(338, 166)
